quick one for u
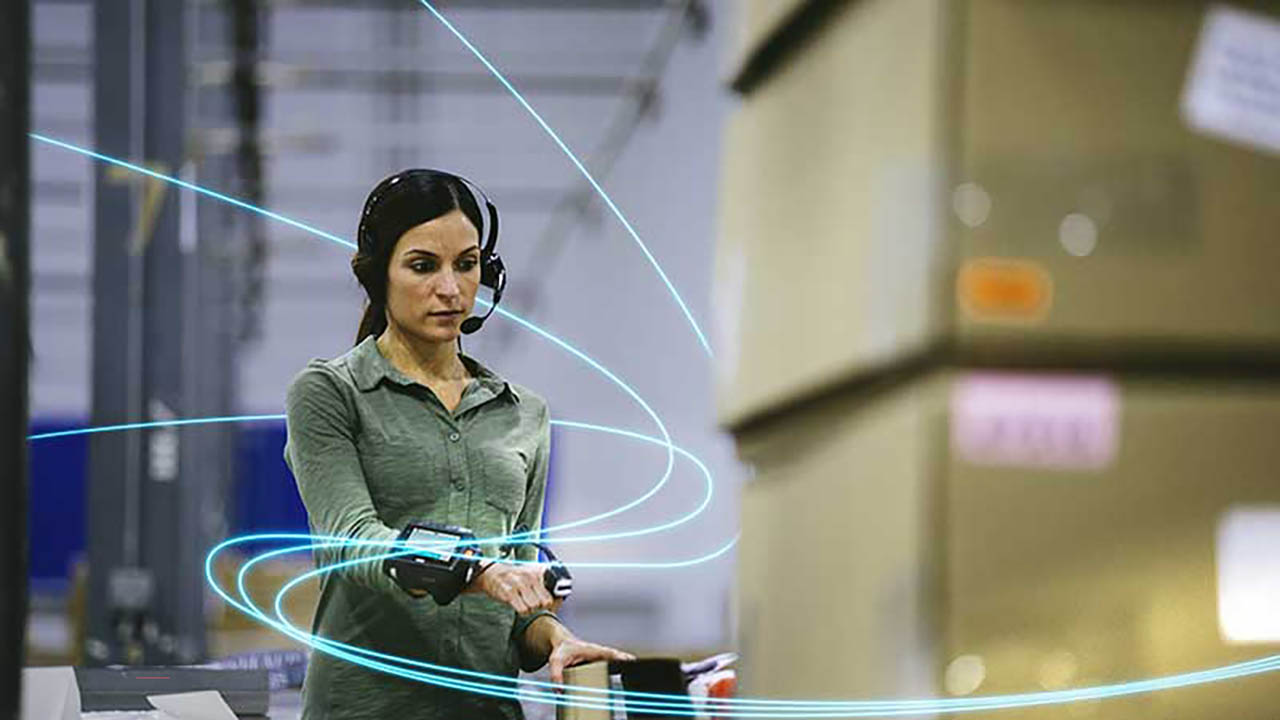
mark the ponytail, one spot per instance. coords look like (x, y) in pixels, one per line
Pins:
(373, 322)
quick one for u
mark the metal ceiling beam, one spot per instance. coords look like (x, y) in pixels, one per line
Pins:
(406, 82)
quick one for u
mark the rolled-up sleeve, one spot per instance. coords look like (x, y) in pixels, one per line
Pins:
(320, 450)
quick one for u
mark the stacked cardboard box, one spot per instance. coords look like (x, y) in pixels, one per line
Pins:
(1004, 351)
(1014, 179)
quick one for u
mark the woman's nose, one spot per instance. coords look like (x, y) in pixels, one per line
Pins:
(448, 285)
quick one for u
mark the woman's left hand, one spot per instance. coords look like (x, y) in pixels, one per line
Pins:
(570, 651)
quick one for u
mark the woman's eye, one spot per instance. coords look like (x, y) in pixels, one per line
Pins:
(466, 265)
(422, 267)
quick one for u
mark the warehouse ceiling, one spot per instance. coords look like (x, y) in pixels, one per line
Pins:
(349, 92)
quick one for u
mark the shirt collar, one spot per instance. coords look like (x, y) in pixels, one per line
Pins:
(369, 367)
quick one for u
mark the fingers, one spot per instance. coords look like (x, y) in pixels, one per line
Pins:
(526, 600)
(584, 652)
(530, 592)
(591, 652)
(615, 654)
(556, 662)
(504, 591)
(526, 594)
(544, 598)
(520, 586)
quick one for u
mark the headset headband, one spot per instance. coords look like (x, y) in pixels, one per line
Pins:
(488, 213)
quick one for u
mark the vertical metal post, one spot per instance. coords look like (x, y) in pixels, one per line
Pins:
(15, 99)
(145, 531)
(173, 490)
(119, 589)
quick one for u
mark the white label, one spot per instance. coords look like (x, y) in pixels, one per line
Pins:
(1233, 89)
(1249, 575)
(163, 445)
(1038, 421)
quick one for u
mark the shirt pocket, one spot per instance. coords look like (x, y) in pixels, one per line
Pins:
(505, 474)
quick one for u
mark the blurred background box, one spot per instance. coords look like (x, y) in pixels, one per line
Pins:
(828, 257)
(839, 562)
(1152, 235)
(1095, 534)
(1014, 181)
(993, 532)
(755, 24)
(232, 631)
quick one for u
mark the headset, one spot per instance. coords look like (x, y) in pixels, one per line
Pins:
(493, 274)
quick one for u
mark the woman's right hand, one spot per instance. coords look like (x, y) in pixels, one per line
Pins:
(520, 586)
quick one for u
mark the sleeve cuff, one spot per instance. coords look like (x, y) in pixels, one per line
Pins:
(529, 664)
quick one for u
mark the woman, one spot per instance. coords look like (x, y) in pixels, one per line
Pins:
(405, 428)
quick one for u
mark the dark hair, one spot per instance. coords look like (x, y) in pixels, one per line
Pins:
(398, 203)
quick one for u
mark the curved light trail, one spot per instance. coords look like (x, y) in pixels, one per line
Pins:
(506, 687)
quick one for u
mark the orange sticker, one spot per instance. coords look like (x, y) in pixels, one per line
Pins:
(996, 289)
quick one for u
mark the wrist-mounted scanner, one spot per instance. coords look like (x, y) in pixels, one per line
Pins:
(443, 560)
(428, 557)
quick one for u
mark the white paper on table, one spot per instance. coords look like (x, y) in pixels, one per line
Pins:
(202, 705)
(50, 693)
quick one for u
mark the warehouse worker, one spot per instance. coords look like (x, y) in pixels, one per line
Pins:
(404, 428)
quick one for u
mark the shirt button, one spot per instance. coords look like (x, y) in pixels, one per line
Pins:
(454, 437)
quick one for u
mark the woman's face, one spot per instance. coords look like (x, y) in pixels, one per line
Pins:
(432, 278)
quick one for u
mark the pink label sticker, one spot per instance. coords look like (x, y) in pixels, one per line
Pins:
(1068, 422)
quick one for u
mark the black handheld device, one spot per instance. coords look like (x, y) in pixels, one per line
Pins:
(442, 568)
(449, 562)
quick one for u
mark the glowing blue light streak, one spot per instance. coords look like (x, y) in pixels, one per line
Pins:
(496, 540)
(504, 313)
(678, 705)
(152, 425)
(353, 653)
(674, 705)
(581, 168)
(192, 187)
(657, 703)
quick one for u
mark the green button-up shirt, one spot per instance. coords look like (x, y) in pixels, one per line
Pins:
(373, 450)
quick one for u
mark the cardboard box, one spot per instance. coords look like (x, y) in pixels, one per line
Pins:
(1150, 234)
(838, 565)
(1085, 536)
(987, 533)
(828, 252)
(592, 675)
(1000, 181)
(755, 21)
